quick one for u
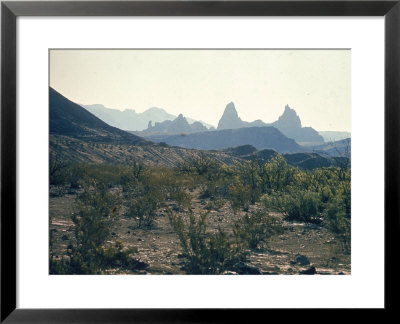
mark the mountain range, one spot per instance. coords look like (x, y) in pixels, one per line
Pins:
(288, 123)
(178, 125)
(129, 119)
(157, 121)
(76, 135)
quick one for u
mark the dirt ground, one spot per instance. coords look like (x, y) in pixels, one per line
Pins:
(300, 248)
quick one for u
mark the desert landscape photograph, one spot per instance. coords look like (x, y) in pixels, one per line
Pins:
(199, 162)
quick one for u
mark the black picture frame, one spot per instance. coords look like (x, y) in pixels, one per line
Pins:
(10, 10)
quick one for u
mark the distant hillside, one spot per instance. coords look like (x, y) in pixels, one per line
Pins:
(337, 148)
(288, 123)
(176, 126)
(129, 119)
(241, 150)
(307, 161)
(331, 136)
(310, 160)
(259, 137)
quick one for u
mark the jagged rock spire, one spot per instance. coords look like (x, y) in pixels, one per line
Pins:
(289, 119)
(230, 118)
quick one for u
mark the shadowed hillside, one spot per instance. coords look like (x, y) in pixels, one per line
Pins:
(69, 119)
(259, 137)
(307, 161)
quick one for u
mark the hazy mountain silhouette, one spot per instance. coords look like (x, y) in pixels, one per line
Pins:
(331, 136)
(259, 137)
(176, 126)
(129, 119)
(288, 123)
(231, 120)
(337, 148)
(76, 135)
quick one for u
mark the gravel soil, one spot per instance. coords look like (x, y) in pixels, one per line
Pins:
(300, 248)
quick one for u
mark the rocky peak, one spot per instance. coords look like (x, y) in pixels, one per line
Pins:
(289, 124)
(180, 120)
(289, 119)
(230, 110)
(230, 118)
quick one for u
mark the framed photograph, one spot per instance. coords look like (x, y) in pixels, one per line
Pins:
(180, 160)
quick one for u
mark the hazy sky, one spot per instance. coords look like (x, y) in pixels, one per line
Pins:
(200, 83)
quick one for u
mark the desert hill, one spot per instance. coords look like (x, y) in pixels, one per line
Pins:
(69, 119)
(307, 161)
(340, 148)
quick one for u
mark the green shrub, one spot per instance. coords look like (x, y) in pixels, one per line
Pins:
(257, 227)
(300, 205)
(130, 176)
(206, 253)
(97, 208)
(250, 176)
(76, 175)
(182, 198)
(57, 168)
(62, 266)
(240, 195)
(215, 204)
(276, 175)
(106, 257)
(115, 256)
(201, 165)
(144, 209)
(337, 215)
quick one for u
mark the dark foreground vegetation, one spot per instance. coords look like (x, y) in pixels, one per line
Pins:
(221, 215)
